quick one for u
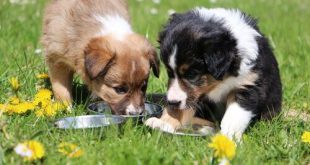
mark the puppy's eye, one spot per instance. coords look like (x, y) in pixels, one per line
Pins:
(120, 89)
(191, 76)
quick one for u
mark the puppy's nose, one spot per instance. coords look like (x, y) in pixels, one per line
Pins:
(174, 103)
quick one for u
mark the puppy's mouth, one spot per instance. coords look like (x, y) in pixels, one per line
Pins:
(132, 110)
(127, 110)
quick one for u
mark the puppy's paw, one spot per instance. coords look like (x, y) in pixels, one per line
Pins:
(156, 123)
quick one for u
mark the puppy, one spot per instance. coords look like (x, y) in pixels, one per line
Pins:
(220, 65)
(94, 39)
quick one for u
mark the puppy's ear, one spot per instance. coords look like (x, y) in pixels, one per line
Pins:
(154, 61)
(98, 58)
(219, 51)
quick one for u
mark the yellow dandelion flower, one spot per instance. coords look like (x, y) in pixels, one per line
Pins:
(70, 150)
(14, 100)
(30, 150)
(50, 108)
(3, 107)
(42, 98)
(305, 137)
(14, 83)
(58, 106)
(39, 112)
(42, 76)
(20, 108)
(50, 111)
(223, 147)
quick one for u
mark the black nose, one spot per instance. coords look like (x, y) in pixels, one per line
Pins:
(174, 103)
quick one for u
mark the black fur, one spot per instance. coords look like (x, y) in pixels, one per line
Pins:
(210, 49)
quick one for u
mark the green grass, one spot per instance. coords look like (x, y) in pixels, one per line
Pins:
(284, 22)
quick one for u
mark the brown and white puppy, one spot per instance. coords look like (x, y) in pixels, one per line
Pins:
(94, 39)
(221, 67)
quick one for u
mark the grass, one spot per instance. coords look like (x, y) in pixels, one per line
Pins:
(284, 22)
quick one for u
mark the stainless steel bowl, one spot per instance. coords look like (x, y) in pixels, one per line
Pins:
(88, 121)
(195, 130)
(151, 110)
(201, 131)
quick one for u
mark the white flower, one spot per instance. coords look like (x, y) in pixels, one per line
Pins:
(156, 1)
(213, 1)
(23, 150)
(171, 11)
(38, 51)
(224, 161)
(154, 11)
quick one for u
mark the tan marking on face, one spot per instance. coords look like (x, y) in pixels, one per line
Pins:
(183, 68)
(209, 84)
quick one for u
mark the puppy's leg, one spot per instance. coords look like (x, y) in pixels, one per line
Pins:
(171, 120)
(202, 122)
(235, 121)
(61, 78)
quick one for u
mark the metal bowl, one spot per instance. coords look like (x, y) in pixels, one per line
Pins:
(88, 121)
(151, 110)
(195, 131)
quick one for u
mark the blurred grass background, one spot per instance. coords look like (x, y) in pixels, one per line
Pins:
(284, 22)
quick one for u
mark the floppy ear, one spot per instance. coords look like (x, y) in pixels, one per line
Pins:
(98, 58)
(154, 61)
(219, 51)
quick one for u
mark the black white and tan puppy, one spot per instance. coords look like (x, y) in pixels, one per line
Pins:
(221, 67)
(94, 39)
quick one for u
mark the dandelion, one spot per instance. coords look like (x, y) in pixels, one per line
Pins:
(42, 76)
(42, 98)
(224, 148)
(20, 108)
(14, 83)
(45, 105)
(42, 105)
(30, 150)
(2, 108)
(306, 137)
(70, 150)
(51, 109)
(14, 100)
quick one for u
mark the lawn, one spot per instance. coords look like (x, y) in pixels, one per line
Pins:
(284, 22)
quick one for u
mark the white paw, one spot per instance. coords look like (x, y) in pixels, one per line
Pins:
(235, 121)
(156, 123)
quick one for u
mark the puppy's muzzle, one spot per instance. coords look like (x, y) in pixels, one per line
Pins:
(132, 110)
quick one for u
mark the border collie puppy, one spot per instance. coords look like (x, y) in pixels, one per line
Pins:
(94, 39)
(221, 67)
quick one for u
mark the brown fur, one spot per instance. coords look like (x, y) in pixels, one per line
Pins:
(179, 119)
(73, 44)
